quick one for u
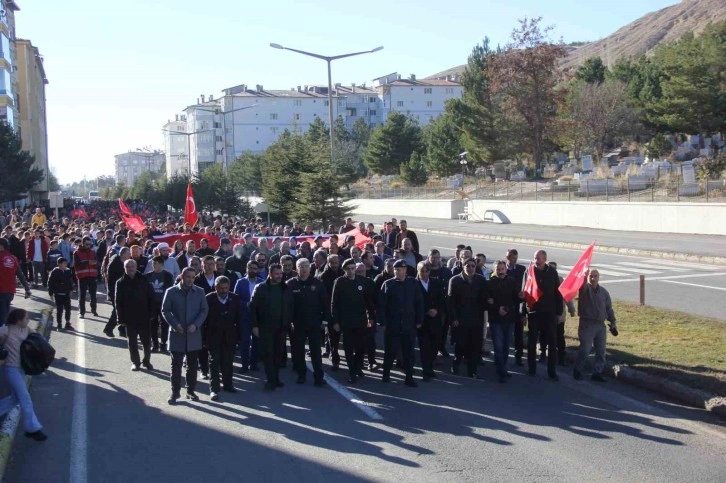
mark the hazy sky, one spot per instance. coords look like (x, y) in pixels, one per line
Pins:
(118, 70)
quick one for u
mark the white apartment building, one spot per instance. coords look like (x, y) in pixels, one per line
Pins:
(423, 100)
(129, 166)
(175, 146)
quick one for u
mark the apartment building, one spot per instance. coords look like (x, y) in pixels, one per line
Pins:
(422, 100)
(175, 146)
(8, 72)
(129, 166)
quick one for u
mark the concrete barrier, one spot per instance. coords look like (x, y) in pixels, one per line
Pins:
(441, 209)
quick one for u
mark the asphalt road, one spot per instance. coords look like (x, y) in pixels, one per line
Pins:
(676, 285)
(107, 424)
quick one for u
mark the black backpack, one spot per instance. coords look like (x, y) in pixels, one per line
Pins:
(36, 354)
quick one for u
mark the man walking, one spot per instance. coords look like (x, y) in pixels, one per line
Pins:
(160, 281)
(594, 308)
(185, 310)
(86, 263)
(504, 300)
(134, 304)
(248, 345)
(429, 335)
(517, 271)
(271, 310)
(115, 272)
(60, 288)
(221, 332)
(544, 314)
(311, 311)
(328, 276)
(401, 311)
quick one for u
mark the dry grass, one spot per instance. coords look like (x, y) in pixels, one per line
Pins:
(685, 348)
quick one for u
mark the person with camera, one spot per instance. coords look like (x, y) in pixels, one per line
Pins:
(594, 308)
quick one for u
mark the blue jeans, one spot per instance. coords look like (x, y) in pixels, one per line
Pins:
(19, 395)
(248, 345)
(5, 299)
(502, 338)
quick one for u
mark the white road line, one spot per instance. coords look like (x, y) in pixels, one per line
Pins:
(671, 277)
(639, 271)
(352, 398)
(609, 273)
(692, 266)
(79, 427)
(653, 266)
(694, 285)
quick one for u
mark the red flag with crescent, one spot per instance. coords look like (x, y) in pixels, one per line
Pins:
(124, 209)
(190, 208)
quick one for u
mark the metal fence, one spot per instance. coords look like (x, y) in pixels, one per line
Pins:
(666, 189)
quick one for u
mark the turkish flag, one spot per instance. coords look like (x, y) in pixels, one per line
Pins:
(79, 213)
(576, 278)
(361, 239)
(124, 209)
(190, 208)
(531, 289)
(134, 222)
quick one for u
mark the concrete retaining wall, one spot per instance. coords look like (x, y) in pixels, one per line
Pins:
(442, 209)
(693, 218)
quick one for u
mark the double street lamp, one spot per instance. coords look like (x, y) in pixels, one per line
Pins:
(328, 59)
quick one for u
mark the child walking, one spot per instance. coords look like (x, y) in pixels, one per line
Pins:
(60, 286)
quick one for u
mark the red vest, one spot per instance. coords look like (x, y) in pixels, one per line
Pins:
(8, 268)
(81, 257)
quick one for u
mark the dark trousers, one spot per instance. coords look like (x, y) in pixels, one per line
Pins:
(395, 339)
(159, 329)
(248, 345)
(177, 360)
(312, 336)
(444, 334)
(221, 361)
(112, 320)
(561, 346)
(5, 299)
(62, 304)
(27, 268)
(87, 285)
(271, 347)
(501, 338)
(542, 322)
(429, 339)
(334, 342)
(139, 330)
(354, 345)
(290, 333)
(39, 271)
(371, 344)
(204, 360)
(518, 338)
(468, 341)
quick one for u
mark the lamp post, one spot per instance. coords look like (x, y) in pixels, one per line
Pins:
(189, 149)
(224, 125)
(328, 59)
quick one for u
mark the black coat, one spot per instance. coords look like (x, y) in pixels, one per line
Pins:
(328, 276)
(467, 300)
(135, 300)
(401, 305)
(115, 273)
(550, 299)
(505, 292)
(60, 282)
(201, 281)
(224, 322)
(311, 304)
(353, 302)
(258, 308)
(434, 298)
(411, 236)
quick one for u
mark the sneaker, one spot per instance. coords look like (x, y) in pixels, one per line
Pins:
(173, 398)
(69, 327)
(135, 367)
(95, 314)
(192, 396)
(36, 435)
(598, 377)
(122, 331)
(82, 316)
(214, 396)
(205, 376)
(577, 375)
(326, 355)
(59, 328)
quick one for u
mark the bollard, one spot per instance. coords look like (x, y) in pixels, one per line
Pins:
(642, 290)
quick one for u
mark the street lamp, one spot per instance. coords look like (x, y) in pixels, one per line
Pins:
(463, 162)
(328, 59)
(189, 149)
(224, 125)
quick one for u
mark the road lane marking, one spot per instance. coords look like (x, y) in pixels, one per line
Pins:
(79, 427)
(652, 266)
(694, 285)
(669, 277)
(639, 271)
(352, 398)
(692, 266)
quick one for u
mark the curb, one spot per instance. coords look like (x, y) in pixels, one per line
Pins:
(676, 256)
(12, 419)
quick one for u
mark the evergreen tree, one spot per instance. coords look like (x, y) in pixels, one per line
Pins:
(392, 144)
(443, 145)
(247, 172)
(592, 71)
(413, 171)
(317, 131)
(18, 174)
(215, 191)
(285, 161)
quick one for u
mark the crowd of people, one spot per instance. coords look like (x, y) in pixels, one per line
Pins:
(203, 305)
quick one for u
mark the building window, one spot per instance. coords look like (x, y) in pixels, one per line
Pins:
(273, 116)
(351, 111)
(372, 99)
(296, 117)
(217, 125)
(449, 90)
(297, 103)
(219, 152)
(218, 138)
(427, 90)
(326, 103)
(399, 104)
(273, 130)
(429, 103)
(372, 112)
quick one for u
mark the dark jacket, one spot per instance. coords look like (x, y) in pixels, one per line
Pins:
(60, 282)
(550, 299)
(442, 274)
(380, 280)
(311, 304)
(505, 293)
(401, 305)
(160, 283)
(328, 276)
(201, 281)
(258, 308)
(353, 305)
(434, 298)
(411, 236)
(224, 321)
(115, 272)
(467, 300)
(134, 300)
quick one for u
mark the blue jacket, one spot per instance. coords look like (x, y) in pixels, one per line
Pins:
(242, 288)
(401, 304)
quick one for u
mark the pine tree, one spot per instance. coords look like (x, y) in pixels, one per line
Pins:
(18, 174)
(413, 171)
(392, 144)
(443, 145)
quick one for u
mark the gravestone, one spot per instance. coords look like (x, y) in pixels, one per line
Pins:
(587, 163)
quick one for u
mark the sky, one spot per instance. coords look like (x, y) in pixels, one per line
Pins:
(118, 70)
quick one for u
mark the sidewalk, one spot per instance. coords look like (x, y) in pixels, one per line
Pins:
(696, 248)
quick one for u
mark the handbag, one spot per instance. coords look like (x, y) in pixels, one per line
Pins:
(36, 354)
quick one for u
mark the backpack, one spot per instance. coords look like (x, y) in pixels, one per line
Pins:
(36, 354)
